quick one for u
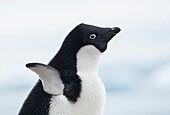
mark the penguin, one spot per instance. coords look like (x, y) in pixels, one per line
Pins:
(69, 84)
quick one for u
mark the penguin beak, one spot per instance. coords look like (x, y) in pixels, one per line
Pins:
(112, 32)
(116, 30)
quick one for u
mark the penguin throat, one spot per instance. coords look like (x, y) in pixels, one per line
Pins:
(88, 60)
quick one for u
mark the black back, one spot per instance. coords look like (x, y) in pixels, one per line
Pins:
(37, 102)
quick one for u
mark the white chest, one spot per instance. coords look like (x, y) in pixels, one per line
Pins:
(92, 97)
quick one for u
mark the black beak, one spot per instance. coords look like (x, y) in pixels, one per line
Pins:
(116, 30)
(112, 32)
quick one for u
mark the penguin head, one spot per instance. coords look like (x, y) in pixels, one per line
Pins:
(99, 37)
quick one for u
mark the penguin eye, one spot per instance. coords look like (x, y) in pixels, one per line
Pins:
(92, 36)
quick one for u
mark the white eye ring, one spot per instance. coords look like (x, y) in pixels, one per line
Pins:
(92, 36)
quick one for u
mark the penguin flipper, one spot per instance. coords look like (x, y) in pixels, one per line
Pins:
(49, 76)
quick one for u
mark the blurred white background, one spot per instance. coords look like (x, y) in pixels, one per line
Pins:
(135, 68)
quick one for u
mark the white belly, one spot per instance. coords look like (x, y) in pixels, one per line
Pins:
(91, 101)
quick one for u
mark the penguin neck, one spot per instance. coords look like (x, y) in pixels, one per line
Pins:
(65, 60)
(88, 60)
(84, 60)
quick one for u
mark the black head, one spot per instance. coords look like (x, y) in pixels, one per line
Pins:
(85, 34)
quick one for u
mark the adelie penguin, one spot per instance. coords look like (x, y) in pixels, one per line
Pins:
(69, 84)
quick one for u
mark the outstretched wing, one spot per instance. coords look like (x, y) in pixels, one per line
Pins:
(49, 76)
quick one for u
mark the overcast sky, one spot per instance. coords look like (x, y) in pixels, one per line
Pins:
(33, 30)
